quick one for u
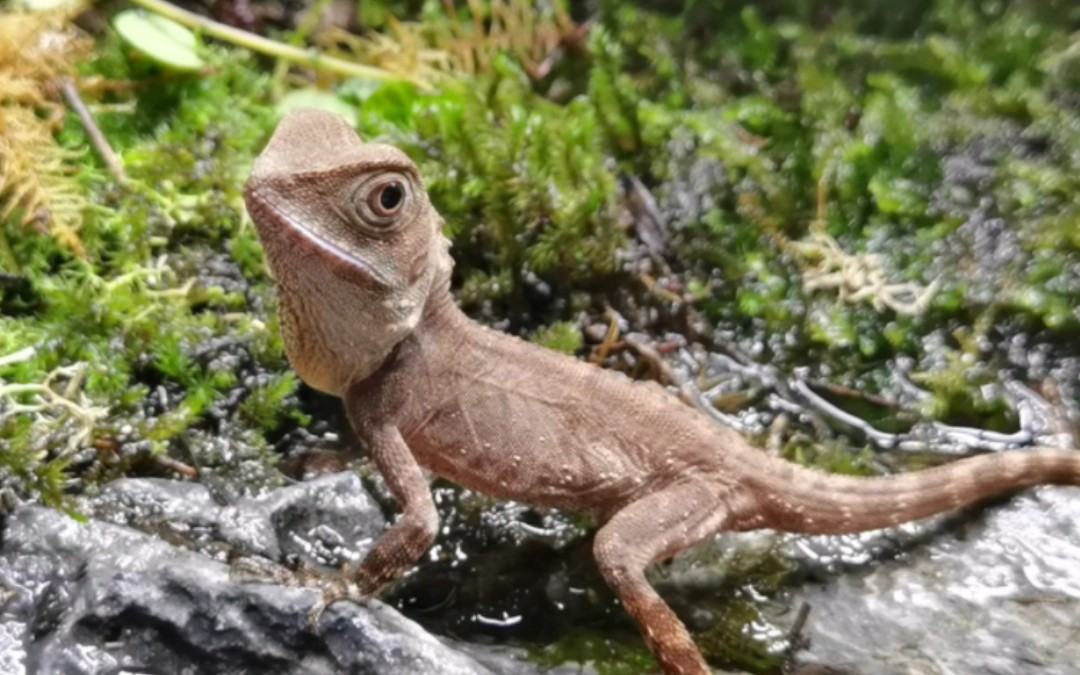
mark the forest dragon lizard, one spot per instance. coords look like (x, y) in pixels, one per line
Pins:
(363, 275)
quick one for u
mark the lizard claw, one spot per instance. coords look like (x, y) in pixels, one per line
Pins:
(332, 587)
(255, 570)
(335, 589)
(334, 592)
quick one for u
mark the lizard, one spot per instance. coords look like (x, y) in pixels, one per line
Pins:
(363, 272)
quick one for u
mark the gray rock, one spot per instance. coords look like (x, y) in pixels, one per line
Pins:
(103, 597)
(997, 595)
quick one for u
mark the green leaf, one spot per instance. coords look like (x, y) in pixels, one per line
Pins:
(45, 5)
(319, 100)
(160, 39)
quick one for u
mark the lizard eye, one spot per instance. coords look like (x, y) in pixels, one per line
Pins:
(381, 201)
(387, 199)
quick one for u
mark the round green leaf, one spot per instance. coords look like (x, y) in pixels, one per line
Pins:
(45, 5)
(160, 39)
(318, 99)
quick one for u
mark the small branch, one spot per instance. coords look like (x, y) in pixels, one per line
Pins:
(97, 139)
(20, 356)
(796, 640)
(1040, 423)
(610, 337)
(176, 466)
(303, 57)
(649, 223)
(1049, 422)
(7, 256)
(926, 437)
(688, 390)
(848, 392)
(880, 438)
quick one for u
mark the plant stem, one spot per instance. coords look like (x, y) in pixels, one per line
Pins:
(7, 256)
(256, 43)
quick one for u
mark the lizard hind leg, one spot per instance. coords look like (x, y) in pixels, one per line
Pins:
(651, 529)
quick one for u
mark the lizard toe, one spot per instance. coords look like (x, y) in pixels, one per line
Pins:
(335, 590)
(249, 569)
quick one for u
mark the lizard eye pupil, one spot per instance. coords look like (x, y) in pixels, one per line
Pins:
(382, 201)
(390, 197)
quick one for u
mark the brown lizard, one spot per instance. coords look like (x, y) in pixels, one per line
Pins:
(363, 275)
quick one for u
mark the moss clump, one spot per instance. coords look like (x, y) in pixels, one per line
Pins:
(609, 657)
(524, 183)
(162, 309)
(562, 337)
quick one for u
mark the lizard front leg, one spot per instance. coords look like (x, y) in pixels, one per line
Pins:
(401, 546)
(413, 533)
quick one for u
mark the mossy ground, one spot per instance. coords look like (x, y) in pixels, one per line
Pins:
(942, 136)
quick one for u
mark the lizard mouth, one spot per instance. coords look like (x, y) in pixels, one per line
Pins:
(341, 263)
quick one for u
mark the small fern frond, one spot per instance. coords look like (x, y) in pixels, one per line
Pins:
(36, 180)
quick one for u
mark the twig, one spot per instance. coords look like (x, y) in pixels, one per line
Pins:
(177, 466)
(841, 390)
(610, 337)
(796, 641)
(1049, 423)
(303, 57)
(649, 223)
(20, 356)
(880, 438)
(1039, 423)
(931, 437)
(7, 256)
(688, 389)
(97, 139)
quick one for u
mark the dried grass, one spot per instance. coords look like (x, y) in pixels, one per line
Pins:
(36, 176)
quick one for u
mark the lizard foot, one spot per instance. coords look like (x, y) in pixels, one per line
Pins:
(335, 589)
(332, 587)
(254, 570)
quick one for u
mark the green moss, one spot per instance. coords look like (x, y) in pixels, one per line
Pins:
(834, 457)
(729, 643)
(958, 393)
(524, 184)
(137, 309)
(609, 657)
(265, 406)
(28, 468)
(562, 337)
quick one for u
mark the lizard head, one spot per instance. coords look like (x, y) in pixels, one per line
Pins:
(353, 243)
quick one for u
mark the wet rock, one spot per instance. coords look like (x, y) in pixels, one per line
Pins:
(997, 594)
(992, 591)
(103, 596)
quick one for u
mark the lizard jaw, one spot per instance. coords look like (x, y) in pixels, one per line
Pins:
(290, 232)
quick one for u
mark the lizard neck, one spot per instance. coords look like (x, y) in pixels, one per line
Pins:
(440, 310)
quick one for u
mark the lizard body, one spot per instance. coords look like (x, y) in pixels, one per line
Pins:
(363, 274)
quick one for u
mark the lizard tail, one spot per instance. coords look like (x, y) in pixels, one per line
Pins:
(797, 499)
